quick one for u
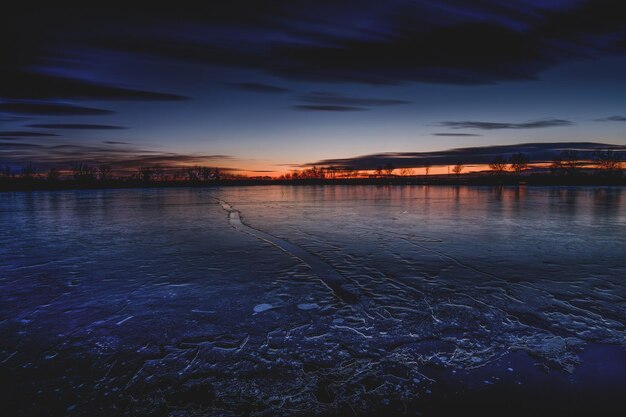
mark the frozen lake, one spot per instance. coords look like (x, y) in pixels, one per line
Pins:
(299, 300)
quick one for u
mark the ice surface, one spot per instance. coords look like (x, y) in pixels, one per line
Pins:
(300, 300)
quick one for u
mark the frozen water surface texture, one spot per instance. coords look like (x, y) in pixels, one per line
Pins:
(311, 300)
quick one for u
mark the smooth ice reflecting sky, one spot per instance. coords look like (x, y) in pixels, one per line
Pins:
(111, 294)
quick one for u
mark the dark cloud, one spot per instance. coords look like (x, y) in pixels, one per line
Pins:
(51, 109)
(122, 156)
(455, 134)
(337, 99)
(368, 41)
(115, 142)
(25, 134)
(534, 124)
(14, 146)
(14, 118)
(258, 88)
(537, 152)
(77, 126)
(612, 119)
(311, 107)
(37, 86)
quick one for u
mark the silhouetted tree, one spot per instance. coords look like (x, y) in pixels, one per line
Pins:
(331, 171)
(427, 168)
(83, 172)
(6, 172)
(458, 168)
(519, 162)
(28, 171)
(608, 161)
(205, 173)
(349, 172)
(158, 173)
(556, 168)
(570, 161)
(53, 174)
(192, 173)
(146, 174)
(498, 165)
(407, 172)
(389, 168)
(104, 172)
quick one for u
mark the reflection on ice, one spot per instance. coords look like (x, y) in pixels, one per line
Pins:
(305, 300)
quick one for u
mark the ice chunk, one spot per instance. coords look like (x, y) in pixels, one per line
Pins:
(308, 306)
(259, 308)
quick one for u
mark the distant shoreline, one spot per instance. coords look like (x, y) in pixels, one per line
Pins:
(530, 180)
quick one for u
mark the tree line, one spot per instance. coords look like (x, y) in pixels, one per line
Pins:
(567, 163)
(84, 172)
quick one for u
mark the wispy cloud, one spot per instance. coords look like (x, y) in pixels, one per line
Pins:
(533, 124)
(115, 142)
(76, 126)
(31, 85)
(25, 134)
(612, 119)
(117, 154)
(455, 134)
(331, 108)
(51, 109)
(337, 99)
(258, 88)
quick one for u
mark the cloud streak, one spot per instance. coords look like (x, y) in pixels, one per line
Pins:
(327, 108)
(51, 109)
(337, 99)
(612, 119)
(534, 124)
(456, 134)
(537, 152)
(25, 134)
(258, 88)
(76, 126)
(120, 155)
(26, 84)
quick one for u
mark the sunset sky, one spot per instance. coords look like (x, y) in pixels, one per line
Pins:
(264, 87)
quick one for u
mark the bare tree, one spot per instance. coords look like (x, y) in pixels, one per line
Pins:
(104, 172)
(6, 172)
(407, 172)
(498, 165)
(349, 172)
(427, 168)
(389, 168)
(556, 168)
(519, 162)
(158, 173)
(457, 169)
(83, 172)
(192, 173)
(608, 161)
(570, 161)
(28, 171)
(146, 174)
(53, 174)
